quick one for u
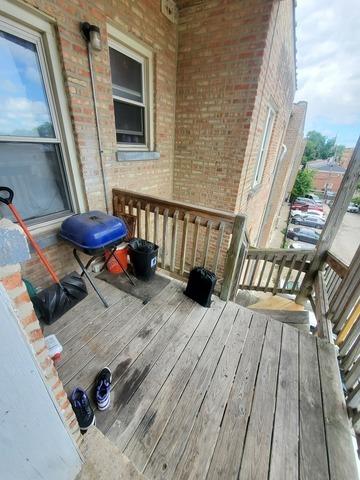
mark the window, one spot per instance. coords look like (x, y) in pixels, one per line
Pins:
(131, 71)
(32, 152)
(264, 146)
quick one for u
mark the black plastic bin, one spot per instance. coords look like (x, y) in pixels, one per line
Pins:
(143, 258)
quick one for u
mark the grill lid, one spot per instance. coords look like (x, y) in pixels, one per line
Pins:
(93, 229)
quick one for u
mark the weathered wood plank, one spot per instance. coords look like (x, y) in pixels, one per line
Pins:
(138, 214)
(313, 460)
(218, 246)
(174, 240)
(336, 264)
(128, 322)
(184, 243)
(133, 412)
(284, 456)
(196, 457)
(156, 225)
(173, 440)
(155, 420)
(164, 238)
(232, 256)
(341, 454)
(256, 455)
(285, 316)
(129, 381)
(226, 459)
(195, 241)
(207, 242)
(147, 221)
(322, 309)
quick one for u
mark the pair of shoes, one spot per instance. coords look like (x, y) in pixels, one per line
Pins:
(81, 403)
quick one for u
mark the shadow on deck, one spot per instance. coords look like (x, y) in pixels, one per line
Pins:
(222, 393)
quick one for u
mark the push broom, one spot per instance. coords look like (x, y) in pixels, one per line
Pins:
(63, 294)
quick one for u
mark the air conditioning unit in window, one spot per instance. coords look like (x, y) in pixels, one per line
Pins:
(169, 9)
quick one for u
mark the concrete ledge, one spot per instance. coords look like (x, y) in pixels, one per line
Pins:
(13, 244)
(122, 156)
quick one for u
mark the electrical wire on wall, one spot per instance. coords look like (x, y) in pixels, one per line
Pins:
(91, 34)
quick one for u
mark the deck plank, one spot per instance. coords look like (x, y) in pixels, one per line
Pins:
(132, 413)
(226, 459)
(342, 462)
(123, 327)
(196, 457)
(312, 452)
(284, 455)
(256, 456)
(131, 378)
(154, 421)
(164, 457)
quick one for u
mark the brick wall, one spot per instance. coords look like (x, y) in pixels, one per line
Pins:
(11, 237)
(234, 59)
(332, 179)
(143, 21)
(290, 163)
(277, 88)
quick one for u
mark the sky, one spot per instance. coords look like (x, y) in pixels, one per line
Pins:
(328, 66)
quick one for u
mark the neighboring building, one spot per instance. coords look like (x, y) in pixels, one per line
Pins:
(193, 107)
(328, 175)
(286, 169)
(346, 156)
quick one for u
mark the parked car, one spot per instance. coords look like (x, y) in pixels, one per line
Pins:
(302, 213)
(352, 208)
(304, 235)
(310, 201)
(308, 221)
(301, 246)
(305, 207)
(315, 198)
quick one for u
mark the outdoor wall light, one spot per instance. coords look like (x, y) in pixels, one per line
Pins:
(91, 33)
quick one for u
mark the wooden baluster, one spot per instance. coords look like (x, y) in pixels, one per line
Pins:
(131, 207)
(195, 241)
(184, 243)
(174, 240)
(164, 239)
(270, 273)
(218, 245)
(147, 221)
(207, 242)
(290, 269)
(123, 204)
(254, 268)
(258, 287)
(116, 205)
(278, 276)
(156, 224)
(138, 212)
(244, 284)
(300, 271)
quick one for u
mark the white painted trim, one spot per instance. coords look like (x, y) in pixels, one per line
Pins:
(264, 147)
(29, 18)
(141, 53)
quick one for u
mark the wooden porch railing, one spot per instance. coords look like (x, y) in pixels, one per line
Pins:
(187, 235)
(274, 270)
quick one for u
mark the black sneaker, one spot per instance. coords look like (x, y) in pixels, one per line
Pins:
(102, 389)
(82, 408)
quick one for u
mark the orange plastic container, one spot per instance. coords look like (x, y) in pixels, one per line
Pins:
(121, 254)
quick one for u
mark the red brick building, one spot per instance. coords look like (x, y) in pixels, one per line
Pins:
(192, 104)
(328, 175)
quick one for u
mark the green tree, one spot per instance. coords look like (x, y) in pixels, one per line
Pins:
(304, 183)
(318, 146)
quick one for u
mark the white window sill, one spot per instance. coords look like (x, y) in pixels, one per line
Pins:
(139, 156)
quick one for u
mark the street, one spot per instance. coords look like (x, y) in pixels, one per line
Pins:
(348, 238)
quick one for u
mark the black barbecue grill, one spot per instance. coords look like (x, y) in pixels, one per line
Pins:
(93, 233)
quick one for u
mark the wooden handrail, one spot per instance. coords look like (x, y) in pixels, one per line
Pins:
(336, 264)
(188, 235)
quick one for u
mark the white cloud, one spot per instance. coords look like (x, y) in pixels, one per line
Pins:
(22, 114)
(328, 44)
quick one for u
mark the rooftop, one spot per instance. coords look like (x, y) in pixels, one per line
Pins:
(326, 166)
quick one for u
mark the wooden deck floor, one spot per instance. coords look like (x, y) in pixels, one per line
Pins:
(219, 393)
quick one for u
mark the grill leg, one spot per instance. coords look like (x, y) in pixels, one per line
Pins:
(112, 254)
(77, 258)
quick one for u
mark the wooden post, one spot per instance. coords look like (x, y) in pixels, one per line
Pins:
(232, 256)
(333, 223)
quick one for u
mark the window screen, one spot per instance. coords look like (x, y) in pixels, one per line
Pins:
(128, 93)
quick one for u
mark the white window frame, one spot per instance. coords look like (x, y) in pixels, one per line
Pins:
(134, 49)
(39, 29)
(264, 147)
